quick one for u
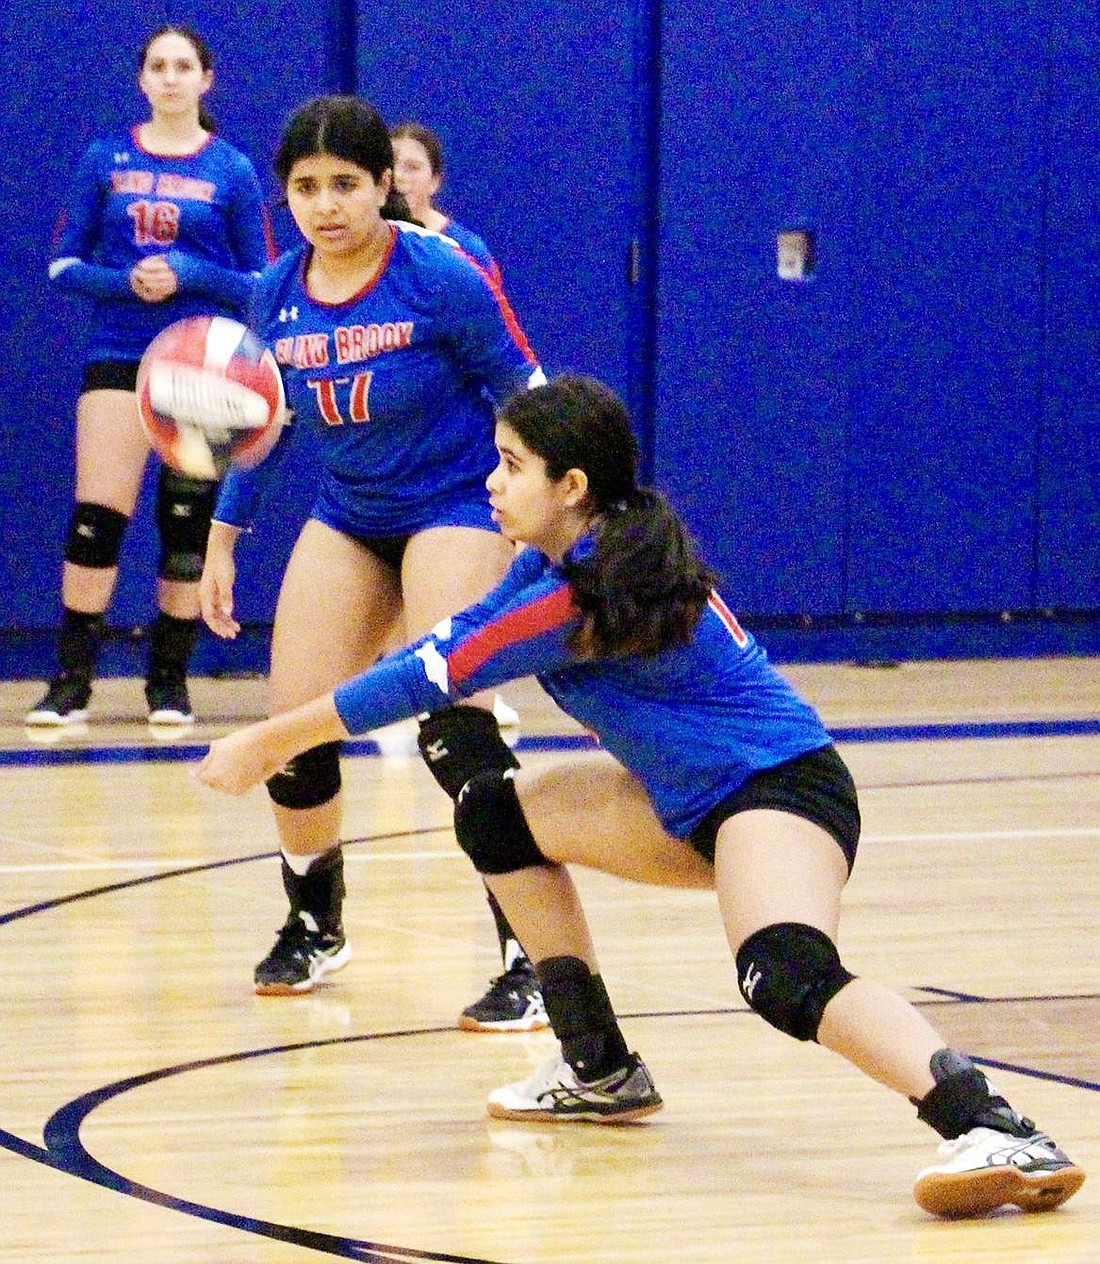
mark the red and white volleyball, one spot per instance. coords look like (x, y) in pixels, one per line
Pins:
(209, 396)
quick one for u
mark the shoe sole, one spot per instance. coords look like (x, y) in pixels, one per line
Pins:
(975, 1193)
(325, 966)
(51, 719)
(177, 719)
(467, 1023)
(497, 1111)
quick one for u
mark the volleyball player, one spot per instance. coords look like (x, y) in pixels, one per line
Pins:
(164, 221)
(724, 778)
(393, 346)
(418, 173)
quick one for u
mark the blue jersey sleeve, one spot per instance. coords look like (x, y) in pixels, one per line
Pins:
(485, 333)
(249, 239)
(72, 267)
(519, 629)
(244, 492)
(475, 247)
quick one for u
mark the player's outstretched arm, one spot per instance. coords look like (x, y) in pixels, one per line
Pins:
(242, 760)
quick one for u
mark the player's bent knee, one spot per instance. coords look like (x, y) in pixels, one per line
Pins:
(788, 973)
(185, 507)
(95, 536)
(309, 779)
(492, 828)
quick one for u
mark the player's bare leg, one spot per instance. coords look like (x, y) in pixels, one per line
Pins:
(446, 569)
(337, 606)
(111, 452)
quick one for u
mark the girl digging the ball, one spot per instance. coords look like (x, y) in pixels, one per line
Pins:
(165, 221)
(393, 346)
(725, 779)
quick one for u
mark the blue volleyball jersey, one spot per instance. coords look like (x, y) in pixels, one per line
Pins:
(474, 246)
(691, 723)
(203, 211)
(396, 387)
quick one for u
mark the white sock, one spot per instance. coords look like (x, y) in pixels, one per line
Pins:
(299, 864)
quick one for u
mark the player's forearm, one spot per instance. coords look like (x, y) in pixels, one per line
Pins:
(295, 731)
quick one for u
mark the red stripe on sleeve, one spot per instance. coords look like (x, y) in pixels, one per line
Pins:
(270, 243)
(495, 282)
(528, 621)
(728, 618)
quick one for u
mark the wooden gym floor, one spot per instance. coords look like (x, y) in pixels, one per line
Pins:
(152, 1108)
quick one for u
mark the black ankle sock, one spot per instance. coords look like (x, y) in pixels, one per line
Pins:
(581, 1015)
(319, 892)
(170, 644)
(78, 643)
(963, 1099)
(511, 950)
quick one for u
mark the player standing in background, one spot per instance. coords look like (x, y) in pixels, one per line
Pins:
(725, 779)
(418, 174)
(164, 221)
(393, 346)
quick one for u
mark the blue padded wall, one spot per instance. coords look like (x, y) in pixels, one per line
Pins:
(948, 206)
(1068, 545)
(750, 427)
(910, 433)
(536, 106)
(61, 92)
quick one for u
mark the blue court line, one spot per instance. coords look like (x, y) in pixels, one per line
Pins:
(190, 751)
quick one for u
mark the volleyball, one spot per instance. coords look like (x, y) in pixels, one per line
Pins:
(209, 396)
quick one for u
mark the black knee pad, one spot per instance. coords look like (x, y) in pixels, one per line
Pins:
(491, 827)
(457, 743)
(185, 507)
(788, 973)
(95, 536)
(309, 779)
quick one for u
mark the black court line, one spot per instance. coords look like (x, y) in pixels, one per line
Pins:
(15, 915)
(66, 1152)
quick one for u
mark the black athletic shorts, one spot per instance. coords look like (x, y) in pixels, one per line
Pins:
(816, 786)
(110, 375)
(390, 548)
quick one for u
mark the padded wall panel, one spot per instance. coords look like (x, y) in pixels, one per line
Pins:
(72, 76)
(753, 371)
(949, 206)
(1068, 547)
(535, 104)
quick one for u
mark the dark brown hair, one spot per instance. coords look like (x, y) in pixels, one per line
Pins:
(644, 587)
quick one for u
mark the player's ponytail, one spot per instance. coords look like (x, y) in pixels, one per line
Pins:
(643, 588)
